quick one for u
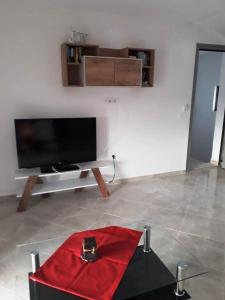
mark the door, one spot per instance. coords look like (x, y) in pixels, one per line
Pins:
(99, 71)
(128, 72)
(204, 110)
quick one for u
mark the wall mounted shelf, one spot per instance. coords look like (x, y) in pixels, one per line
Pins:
(89, 65)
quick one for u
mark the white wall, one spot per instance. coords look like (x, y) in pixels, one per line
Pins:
(145, 128)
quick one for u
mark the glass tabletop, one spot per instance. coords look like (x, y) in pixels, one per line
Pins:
(162, 241)
(170, 250)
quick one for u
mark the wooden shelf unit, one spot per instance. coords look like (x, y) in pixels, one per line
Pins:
(73, 70)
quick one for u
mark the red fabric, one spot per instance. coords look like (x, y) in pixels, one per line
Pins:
(65, 270)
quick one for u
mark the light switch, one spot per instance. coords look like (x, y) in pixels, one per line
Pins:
(111, 100)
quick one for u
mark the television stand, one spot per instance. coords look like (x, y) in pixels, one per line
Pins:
(59, 168)
(36, 182)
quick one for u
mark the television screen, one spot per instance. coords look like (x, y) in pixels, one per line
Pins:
(48, 142)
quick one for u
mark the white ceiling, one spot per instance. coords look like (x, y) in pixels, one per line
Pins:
(209, 13)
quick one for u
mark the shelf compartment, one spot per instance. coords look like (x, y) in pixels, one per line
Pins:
(62, 185)
(75, 74)
(73, 64)
(109, 52)
(25, 173)
(147, 67)
(71, 55)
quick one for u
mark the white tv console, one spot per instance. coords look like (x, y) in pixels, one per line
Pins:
(36, 183)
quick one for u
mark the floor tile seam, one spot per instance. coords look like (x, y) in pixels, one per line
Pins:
(5, 240)
(187, 233)
(3, 285)
(105, 210)
(159, 225)
(211, 269)
(92, 226)
(86, 209)
(52, 222)
(94, 223)
(74, 214)
(196, 235)
(117, 216)
(89, 227)
(39, 241)
(177, 210)
(185, 215)
(56, 224)
(14, 252)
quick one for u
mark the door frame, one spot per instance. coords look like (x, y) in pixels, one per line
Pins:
(199, 47)
(222, 141)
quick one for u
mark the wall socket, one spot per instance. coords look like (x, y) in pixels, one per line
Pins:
(111, 100)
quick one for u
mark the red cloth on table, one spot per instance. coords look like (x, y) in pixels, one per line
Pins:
(66, 271)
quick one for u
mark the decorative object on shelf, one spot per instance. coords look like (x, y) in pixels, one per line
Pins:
(142, 55)
(145, 81)
(77, 37)
(89, 249)
(70, 55)
(145, 84)
(76, 56)
(79, 50)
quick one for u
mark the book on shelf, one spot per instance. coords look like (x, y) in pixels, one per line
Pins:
(70, 55)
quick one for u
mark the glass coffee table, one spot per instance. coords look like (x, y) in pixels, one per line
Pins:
(158, 274)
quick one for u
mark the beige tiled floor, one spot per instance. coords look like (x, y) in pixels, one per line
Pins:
(192, 205)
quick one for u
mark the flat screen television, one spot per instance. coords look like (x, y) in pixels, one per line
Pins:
(51, 142)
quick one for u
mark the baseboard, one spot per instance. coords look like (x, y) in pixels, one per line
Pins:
(214, 162)
(138, 178)
(3, 197)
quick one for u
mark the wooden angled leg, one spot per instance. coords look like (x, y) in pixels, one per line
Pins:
(101, 183)
(31, 181)
(83, 174)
